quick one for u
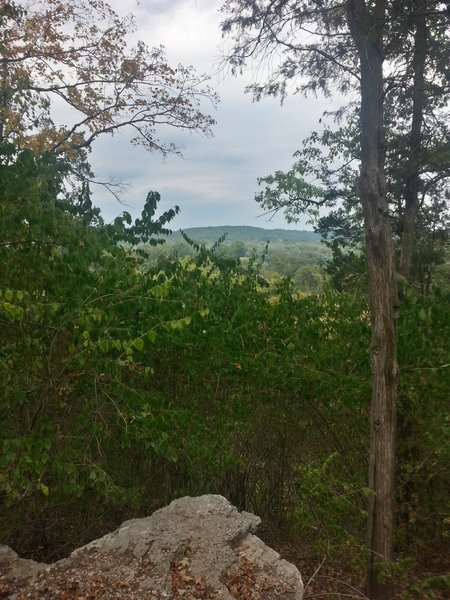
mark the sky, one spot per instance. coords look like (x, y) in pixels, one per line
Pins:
(215, 181)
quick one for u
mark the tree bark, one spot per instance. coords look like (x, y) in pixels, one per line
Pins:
(412, 181)
(366, 28)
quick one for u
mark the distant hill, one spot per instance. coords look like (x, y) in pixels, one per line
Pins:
(243, 233)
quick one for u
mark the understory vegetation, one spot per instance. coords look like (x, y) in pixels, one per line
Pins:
(127, 382)
(303, 262)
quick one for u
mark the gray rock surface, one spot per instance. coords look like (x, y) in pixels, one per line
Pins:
(13, 567)
(195, 548)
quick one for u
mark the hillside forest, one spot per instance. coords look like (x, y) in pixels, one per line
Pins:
(304, 376)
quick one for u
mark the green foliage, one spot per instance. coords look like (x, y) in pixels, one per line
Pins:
(331, 510)
(108, 361)
(441, 582)
(424, 358)
(330, 159)
(146, 228)
(129, 378)
(72, 364)
(347, 268)
(302, 262)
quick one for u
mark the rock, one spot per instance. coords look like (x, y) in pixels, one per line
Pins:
(14, 568)
(195, 548)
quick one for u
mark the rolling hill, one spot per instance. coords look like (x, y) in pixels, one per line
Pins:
(243, 233)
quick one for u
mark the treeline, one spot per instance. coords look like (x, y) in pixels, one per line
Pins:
(243, 233)
(303, 262)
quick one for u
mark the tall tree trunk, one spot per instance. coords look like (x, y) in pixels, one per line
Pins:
(413, 166)
(367, 31)
(3, 104)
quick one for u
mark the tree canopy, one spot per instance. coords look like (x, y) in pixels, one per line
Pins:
(76, 55)
(417, 147)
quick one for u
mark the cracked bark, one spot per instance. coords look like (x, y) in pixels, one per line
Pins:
(366, 27)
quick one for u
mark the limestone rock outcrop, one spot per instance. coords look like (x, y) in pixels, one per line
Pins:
(195, 548)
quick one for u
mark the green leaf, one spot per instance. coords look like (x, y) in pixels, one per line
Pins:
(152, 335)
(15, 312)
(43, 488)
(138, 344)
(103, 345)
(440, 582)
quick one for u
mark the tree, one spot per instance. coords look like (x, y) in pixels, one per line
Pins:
(323, 44)
(330, 159)
(417, 87)
(75, 54)
(366, 27)
(417, 160)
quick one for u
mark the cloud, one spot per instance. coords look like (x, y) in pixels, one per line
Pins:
(215, 182)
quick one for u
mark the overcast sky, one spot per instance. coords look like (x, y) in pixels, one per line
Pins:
(215, 181)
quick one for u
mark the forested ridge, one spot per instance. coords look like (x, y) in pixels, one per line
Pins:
(138, 366)
(242, 233)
